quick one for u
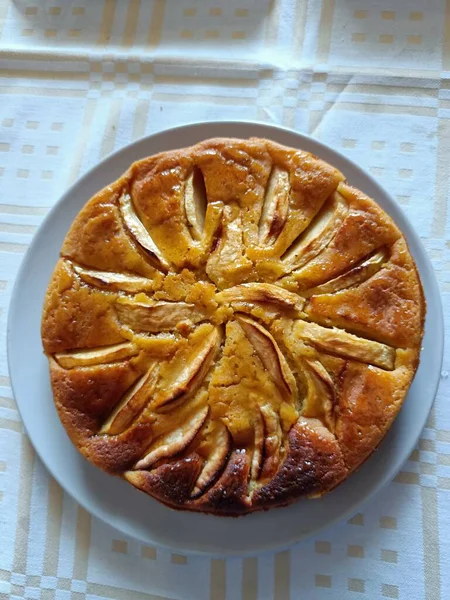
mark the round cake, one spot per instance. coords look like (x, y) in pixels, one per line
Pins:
(231, 327)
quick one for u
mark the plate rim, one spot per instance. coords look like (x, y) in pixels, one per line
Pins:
(412, 237)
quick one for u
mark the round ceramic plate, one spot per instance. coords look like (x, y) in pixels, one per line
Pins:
(117, 502)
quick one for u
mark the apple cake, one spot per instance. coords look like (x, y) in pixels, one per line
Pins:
(232, 326)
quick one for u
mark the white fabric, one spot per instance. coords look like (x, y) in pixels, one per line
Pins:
(81, 78)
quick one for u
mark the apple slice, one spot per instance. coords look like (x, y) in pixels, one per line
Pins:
(171, 443)
(355, 276)
(272, 441)
(318, 235)
(322, 374)
(157, 316)
(116, 282)
(133, 403)
(258, 447)
(190, 370)
(270, 355)
(216, 460)
(320, 396)
(96, 356)
(213, 226)
(275, 206)
(347, 345)
(263, 293)
(316, 426)
(227, 261)
(195, 203)
(140, 234)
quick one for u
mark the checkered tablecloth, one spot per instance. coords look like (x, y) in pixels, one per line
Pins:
(80, 78)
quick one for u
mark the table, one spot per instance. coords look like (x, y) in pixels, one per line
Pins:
(80, 78)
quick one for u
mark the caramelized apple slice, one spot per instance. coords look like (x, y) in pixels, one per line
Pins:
(347, 345)
(275, 207)
(96, 356)
(258, 447)
(213, 226)
(157, 316)
(231, 244)
(195, 203)
(272, 441)
(358, 274)
(270, 355)
(177, 440)
(189, 369)
(320, 395)
(116, 282)
(322, 374)
(132, 403)
(227, 261)
(316, 426)
(214, 464)
(139, 233)
(263, 293)
(319, 233)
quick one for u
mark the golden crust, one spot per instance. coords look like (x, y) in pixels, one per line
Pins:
(231, 327)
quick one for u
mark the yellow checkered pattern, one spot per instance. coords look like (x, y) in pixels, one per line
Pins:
(79, 79)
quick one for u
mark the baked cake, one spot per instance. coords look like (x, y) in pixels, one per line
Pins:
(231, 327)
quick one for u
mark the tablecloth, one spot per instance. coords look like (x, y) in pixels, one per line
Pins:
(80, 78)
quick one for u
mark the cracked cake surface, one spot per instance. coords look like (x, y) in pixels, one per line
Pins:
(231, 326)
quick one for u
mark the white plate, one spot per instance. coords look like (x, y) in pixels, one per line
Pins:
(117, 502)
